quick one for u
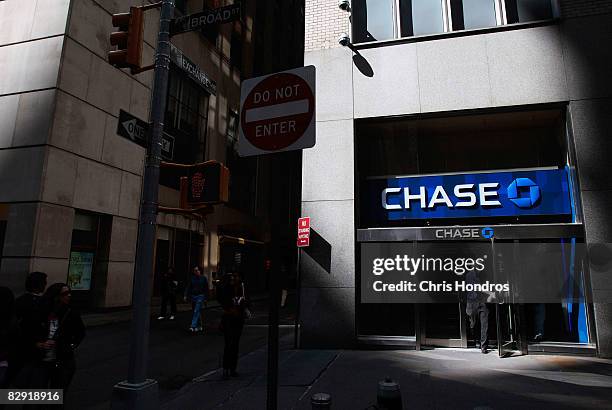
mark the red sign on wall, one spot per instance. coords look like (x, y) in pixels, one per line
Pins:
(303, 238)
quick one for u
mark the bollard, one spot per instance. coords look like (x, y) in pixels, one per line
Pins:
(321, 401)
(389, 396)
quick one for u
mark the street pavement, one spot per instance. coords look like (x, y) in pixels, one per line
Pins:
(430, 379)
(187, 369)
(175, 355)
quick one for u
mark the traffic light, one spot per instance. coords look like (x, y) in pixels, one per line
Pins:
(208, 183)
(128, 40)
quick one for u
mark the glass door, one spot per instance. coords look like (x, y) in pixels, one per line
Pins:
(441, 325)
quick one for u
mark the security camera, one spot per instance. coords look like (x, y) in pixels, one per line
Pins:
(344, 40)
(344, 5)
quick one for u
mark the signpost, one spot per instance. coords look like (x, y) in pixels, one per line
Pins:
(136, 130)
(303, 238)
(277, 112)
(206, 18)
(138, 392)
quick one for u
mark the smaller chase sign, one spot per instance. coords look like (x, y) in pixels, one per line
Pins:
(486, 194)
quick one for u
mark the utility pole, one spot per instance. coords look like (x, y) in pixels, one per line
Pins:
(138, 392)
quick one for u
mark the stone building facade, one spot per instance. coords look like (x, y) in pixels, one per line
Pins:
(71, 186)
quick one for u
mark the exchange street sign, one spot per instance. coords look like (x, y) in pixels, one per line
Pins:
(277, 112)
(206, 18)
(193, 71)
(136, 130)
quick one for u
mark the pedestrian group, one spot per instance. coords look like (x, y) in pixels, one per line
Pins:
(39, 332)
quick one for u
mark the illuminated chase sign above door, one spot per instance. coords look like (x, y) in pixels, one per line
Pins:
(485, 194)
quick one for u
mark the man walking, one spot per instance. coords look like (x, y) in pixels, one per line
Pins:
(197, 291)
(477, 310)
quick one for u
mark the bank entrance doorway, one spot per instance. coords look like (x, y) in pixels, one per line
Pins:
(513, 328)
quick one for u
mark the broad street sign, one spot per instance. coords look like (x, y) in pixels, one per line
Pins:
(277, 112)
(206, 18)
(193, 71)
(136, 130)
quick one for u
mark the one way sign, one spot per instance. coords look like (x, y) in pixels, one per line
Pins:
(135, 129)
(132, 128)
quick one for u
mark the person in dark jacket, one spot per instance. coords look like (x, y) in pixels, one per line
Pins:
(232, 298)
(8, 335)
(478, 312)
(197, 291)
(168, 292)
(62, 333)
(25, 370)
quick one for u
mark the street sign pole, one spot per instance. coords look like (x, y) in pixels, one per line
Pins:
(277, 114)
(273, 336)
(138, 392)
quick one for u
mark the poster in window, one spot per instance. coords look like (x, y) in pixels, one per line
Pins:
(79, 271)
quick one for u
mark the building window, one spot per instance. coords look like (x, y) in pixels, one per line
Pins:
(186, 120)
(236, 50)
(89, 252)
(473, 14)
(373, 20)
(376, 20)
(232, 128)
(421, 17)
(519, 11)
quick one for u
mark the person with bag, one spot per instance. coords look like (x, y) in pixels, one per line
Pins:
(64, 331)
(232, 298)
(26, 370)
(197, 290)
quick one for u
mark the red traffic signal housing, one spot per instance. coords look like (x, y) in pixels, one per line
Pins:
(128, 40)
(207, 183)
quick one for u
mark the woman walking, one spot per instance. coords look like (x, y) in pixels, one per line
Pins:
(231, 296)
(63, 333)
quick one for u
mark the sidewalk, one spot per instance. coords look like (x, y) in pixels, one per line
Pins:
(431, 379)
(125, 315)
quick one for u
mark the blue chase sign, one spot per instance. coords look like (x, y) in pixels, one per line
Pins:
(484, 194)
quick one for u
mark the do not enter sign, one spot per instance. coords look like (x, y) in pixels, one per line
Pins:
(277, 112)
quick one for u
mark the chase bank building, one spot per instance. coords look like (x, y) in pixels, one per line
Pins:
(458, 136)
